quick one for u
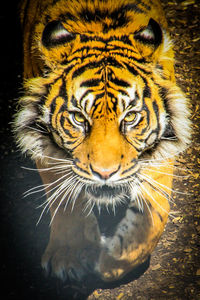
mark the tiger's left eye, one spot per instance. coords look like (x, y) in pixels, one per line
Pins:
(130, 117)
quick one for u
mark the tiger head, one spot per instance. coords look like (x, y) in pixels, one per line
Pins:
(107, 97)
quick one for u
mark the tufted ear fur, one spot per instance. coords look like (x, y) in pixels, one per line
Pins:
(55, 34)
(150, 35)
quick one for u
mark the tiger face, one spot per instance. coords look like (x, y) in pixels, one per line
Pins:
(108, 123)
(107, 99)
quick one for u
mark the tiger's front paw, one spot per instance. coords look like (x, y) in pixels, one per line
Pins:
(69, 263)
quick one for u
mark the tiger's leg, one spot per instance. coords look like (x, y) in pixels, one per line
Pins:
(139, 231)
(74, 238)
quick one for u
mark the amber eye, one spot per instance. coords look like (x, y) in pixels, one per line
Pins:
(80, 121)
(79, 117)
(130, 117)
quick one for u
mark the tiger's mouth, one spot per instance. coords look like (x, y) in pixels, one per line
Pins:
(104, 191)
(107, 194)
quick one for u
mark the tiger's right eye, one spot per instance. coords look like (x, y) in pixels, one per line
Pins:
(80, 121)
(79, 117)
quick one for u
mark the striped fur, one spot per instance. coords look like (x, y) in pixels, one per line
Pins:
(101, 97)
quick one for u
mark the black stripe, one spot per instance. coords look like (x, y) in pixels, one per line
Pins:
(115, 104)
(121, 239)
(113, 62)
(80, 169)
(129, 169)
(124, 93)
(125, 39)
(147, 90)
(68, 16)
(163, 92)
(95, 106)
(25, 14)
(67, 132)
(90, 83)
(135, 210)
(131, 69)
(135, 68)
(105, 51)
(100, 95)
(159, 215)
(52, 108)
(146, 6)
(111, 95)
(156, 108)
(120, 82)
(78, 54)
(133, 7)
(87, 92)
(84, 38)
(62, 91)
(74, 101)
(157, 112)
(118, 16)
(81, 70)
(55, 1)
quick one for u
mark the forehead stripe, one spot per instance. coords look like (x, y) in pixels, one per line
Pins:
(90, 83)
(58, 105)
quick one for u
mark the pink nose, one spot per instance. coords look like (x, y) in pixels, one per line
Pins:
(103, 173)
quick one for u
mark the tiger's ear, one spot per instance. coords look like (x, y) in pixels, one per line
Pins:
(150, 35)
(55, 34)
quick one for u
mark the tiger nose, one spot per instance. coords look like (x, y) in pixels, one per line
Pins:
(103, 173)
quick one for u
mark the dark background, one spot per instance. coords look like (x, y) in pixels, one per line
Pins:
(21, 241)
(174, 269)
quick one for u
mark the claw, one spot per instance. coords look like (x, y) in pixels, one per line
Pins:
(46, 268)
(72, 274)
(62, 274)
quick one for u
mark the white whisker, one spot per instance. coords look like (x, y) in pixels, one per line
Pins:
(36, 129)
(147, 178)
(113, 206)
(45, 186)
(67, 183)
(162, 159)
(77, 191)
(61, 201)
(52, 199)
(64, 160)
(89, 205)
(60, 185)
(168, 138)
(141, 199)
(99, 206)
(153, 184)
(40, 188)
(139, 203)
(42, 213)
(147, 205)
(137, 199)
(149, 194)
(168, 174)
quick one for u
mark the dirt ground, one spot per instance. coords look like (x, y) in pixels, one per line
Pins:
(174, 271)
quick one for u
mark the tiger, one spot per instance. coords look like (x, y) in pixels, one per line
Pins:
(103, 119)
